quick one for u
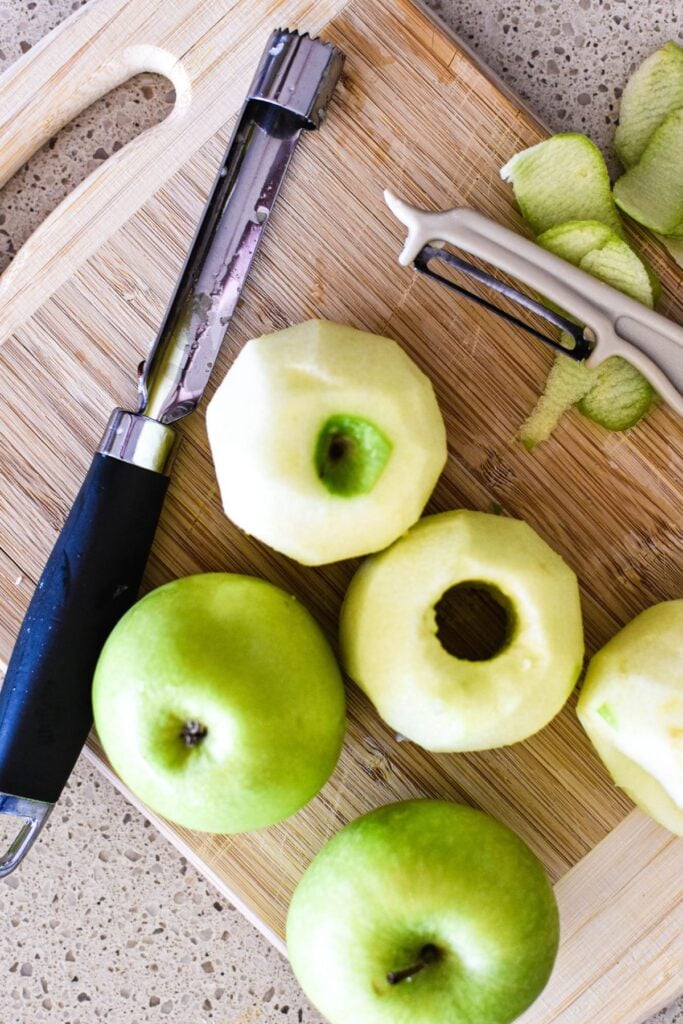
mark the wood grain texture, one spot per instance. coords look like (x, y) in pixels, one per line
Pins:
(600, 899)
(207, 48)
(414, 112)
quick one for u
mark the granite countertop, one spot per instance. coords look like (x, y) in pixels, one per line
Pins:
(105, 921)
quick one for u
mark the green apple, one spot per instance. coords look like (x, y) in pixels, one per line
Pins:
(219, 702)
(631, 706)
(423, 912)
(327, 441)
(393, 644)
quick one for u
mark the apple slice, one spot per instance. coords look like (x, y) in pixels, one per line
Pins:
(391, 635)
(327, 441)
(631, 706)
(219, 702)
(423, 912)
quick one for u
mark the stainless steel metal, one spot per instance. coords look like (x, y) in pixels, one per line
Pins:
(298, 74)
(144, 442)
(289, 94)
(34, 813)
(582, 342)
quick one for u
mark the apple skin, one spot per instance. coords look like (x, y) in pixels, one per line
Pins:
(250, 664)
(631, 706)
(390, 646)
(423, 872)
(265, 424)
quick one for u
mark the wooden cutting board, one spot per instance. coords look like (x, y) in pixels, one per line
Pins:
(81, 304)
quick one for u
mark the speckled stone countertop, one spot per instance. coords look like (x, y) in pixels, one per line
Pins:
(105, 921)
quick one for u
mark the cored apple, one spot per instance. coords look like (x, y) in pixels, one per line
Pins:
(631, 706)
(423, 912)
(219, 702)
(327, 441)
(392, 645)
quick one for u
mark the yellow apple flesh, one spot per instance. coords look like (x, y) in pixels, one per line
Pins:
(327, 441)
(391, 648)
(631, 706)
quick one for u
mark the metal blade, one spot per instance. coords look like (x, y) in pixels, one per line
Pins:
(582, 344)
(289, 94)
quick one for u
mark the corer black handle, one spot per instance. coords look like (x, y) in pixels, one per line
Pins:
(91, 578)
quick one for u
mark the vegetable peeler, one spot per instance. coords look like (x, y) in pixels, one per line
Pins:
(609, 322)
(94, 571)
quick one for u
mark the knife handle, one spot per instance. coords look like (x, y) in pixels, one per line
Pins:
(91, 578)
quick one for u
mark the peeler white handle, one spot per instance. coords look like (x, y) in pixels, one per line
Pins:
(618, 324)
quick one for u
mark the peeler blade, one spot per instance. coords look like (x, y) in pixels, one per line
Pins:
(582, 344)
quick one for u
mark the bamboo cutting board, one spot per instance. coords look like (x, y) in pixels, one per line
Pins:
(79, 308)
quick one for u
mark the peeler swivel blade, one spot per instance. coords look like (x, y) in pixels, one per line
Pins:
(602, 321)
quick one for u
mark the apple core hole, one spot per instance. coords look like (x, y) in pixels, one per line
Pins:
(78, 148)
(193, 732)
(338, 447)
(350, 455)
(474, 621)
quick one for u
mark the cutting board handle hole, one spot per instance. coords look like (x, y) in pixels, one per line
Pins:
(78, 149)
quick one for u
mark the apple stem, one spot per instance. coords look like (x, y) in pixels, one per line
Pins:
(428, 955)
(193, 732)
(393, 977)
